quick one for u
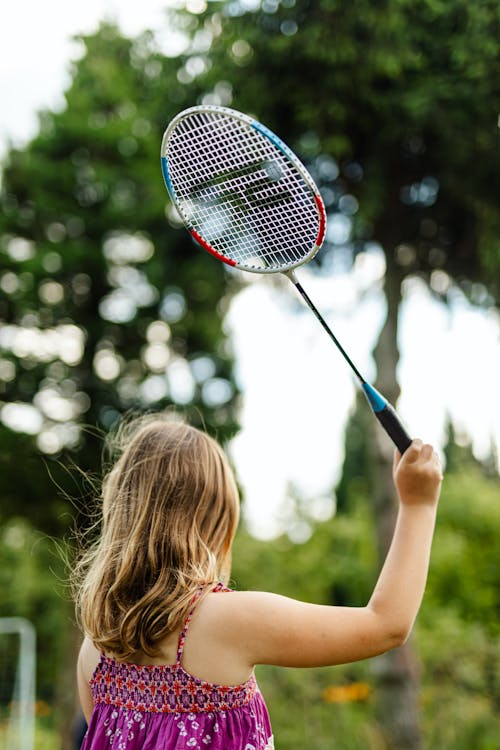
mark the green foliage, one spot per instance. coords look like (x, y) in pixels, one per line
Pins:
(404, 96)
(32, 582)
(46, 737)
(90, 263)
(463, 577)
(458, 627)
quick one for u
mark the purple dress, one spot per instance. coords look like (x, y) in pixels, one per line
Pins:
(165, 708)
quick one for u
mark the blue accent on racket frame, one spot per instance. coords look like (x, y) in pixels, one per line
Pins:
(274, 139)
(166, 177)
(375, 399)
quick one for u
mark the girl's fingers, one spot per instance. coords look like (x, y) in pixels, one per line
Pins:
(427, 451)
(410, 456)
(413, 452)
(418, 451)
(437, 461)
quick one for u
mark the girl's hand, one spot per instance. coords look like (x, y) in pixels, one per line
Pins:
(417, 474)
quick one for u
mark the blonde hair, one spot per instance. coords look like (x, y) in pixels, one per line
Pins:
(170, 509)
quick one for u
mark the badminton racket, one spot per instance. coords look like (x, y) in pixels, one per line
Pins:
(247, 199)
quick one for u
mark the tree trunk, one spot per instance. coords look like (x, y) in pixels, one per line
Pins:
(397, 672)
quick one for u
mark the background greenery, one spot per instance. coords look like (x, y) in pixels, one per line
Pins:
(406, 122)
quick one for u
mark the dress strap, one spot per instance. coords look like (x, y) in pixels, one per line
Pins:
(182, 638)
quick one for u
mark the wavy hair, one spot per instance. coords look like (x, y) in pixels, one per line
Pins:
(170, 509)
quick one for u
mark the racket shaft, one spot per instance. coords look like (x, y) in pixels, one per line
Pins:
(384, 412)
(327, 328)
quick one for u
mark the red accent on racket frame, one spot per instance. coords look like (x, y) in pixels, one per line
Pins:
(322, 220)
(210, 249)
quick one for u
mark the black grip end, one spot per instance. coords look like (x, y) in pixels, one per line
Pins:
(391, 424)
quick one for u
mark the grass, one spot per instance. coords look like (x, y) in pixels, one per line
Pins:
(46, 738)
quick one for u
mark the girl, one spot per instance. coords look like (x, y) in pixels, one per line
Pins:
(169, 652)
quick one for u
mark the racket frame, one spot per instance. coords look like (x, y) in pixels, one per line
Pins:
(257, 126)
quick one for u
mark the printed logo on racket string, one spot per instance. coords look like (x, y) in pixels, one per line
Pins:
(253, 186)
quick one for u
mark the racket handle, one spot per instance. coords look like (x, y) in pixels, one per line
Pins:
(388, 418)
(391, 424)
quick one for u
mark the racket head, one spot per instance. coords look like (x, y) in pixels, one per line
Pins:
(243, 195)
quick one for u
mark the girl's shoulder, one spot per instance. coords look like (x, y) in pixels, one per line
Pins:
(223, 614)
(231, 620)
(88, 659)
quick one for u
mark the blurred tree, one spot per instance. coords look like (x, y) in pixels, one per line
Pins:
(27, 591)
(408, 107)
(104, 306)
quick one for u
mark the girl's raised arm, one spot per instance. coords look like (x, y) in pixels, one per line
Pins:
(271, 629)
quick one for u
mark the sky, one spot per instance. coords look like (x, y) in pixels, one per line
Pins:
(36, 45)
(297, 391)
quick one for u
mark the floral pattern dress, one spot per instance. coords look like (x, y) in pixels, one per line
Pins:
(152, 707)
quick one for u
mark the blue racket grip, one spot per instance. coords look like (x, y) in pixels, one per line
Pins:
(388, 418)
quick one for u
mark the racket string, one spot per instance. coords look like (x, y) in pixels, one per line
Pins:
(239, 208)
